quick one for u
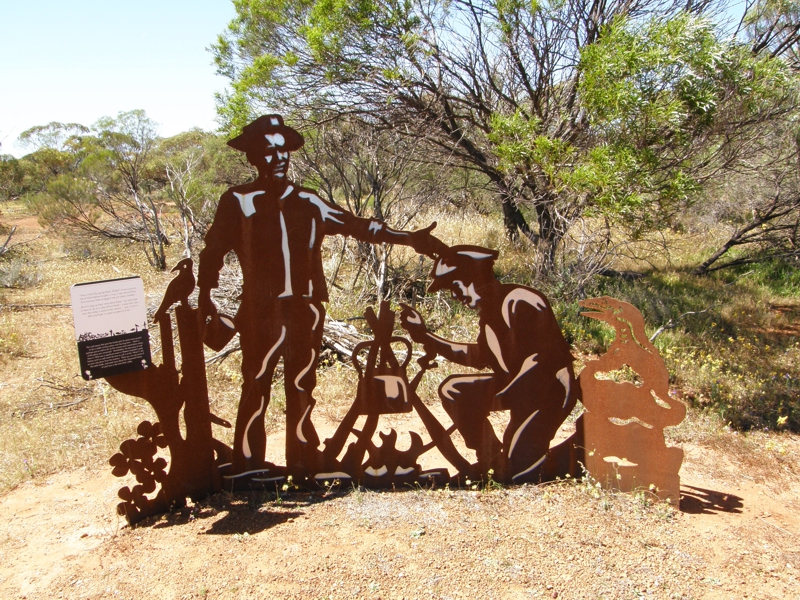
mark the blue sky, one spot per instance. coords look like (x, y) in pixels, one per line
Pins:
(79, 60)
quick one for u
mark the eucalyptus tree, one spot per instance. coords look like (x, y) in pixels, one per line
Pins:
(195, 167)
(12, 175)
(621, 110)
(109, 190)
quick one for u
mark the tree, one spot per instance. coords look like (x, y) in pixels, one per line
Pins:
(55, 136)
(773, 28)
(126, 143)
(196, 167)
(11, 177)
(56, 148)
(108, 190)
(375, 173)
(758, 203)
(570, 109)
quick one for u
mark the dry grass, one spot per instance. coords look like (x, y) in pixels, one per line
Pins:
(740, 357)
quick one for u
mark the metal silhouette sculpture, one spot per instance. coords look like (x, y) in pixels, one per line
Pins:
(523, 364)
(529, 361)
(384, 388)
(176, 395)
(624, 421)
(276, 228)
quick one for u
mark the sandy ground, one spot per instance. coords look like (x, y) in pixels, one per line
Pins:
(735, 536)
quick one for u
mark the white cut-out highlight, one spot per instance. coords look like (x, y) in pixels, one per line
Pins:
(442, 268)
(274, 121)
(287, 267)
(526, 366)
(429, 472)
(302, 373)
(520, 295)
(287, 191)
(469, 292)
(245, 473)
(415, 319)
(227, 322)
(473, 254)
(519, 431)
(620, 462)
(268, 479)
(564, 378)
(333, 475)
(272, 351)
(494, 346)
(269, 158)
(449, 388)
(376, 472)
(275, 139)
(246, 202)
(454, 346)
(313, 237)
(393, 385)
(299, 430)
(310, 289)
(375, 226)
(325, 211)
(406, 471)
(531, 468)
(246, 443)
(315, 310)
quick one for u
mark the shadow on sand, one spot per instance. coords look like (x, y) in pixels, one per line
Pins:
(236, 514)
(699, 501)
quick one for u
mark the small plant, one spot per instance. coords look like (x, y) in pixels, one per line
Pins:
(331, 487)
(18, 274)
(12, 341)
(491, 484)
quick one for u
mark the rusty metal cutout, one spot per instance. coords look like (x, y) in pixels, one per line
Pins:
(521, 364)
(624, 421)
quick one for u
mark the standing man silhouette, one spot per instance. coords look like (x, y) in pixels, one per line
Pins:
(276, 229)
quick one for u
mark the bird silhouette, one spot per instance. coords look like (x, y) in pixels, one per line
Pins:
(178, 289)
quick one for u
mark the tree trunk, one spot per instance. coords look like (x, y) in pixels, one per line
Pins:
(513, 219)
(549, 234)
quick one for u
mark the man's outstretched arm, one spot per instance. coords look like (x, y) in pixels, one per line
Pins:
(339, 221)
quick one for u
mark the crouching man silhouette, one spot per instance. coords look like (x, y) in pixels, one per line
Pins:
(521, 343)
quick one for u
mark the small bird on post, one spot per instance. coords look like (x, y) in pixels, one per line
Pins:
(178, 289)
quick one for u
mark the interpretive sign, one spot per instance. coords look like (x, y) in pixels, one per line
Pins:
(110, 326)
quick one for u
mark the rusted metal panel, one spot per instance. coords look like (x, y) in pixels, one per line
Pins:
(521, 364)
(624, 421)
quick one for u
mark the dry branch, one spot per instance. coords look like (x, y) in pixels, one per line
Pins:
(337, 337)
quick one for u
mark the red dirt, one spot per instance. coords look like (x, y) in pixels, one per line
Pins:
(734, 537)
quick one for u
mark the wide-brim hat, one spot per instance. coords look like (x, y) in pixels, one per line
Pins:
(463, 262)
(267, 131)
